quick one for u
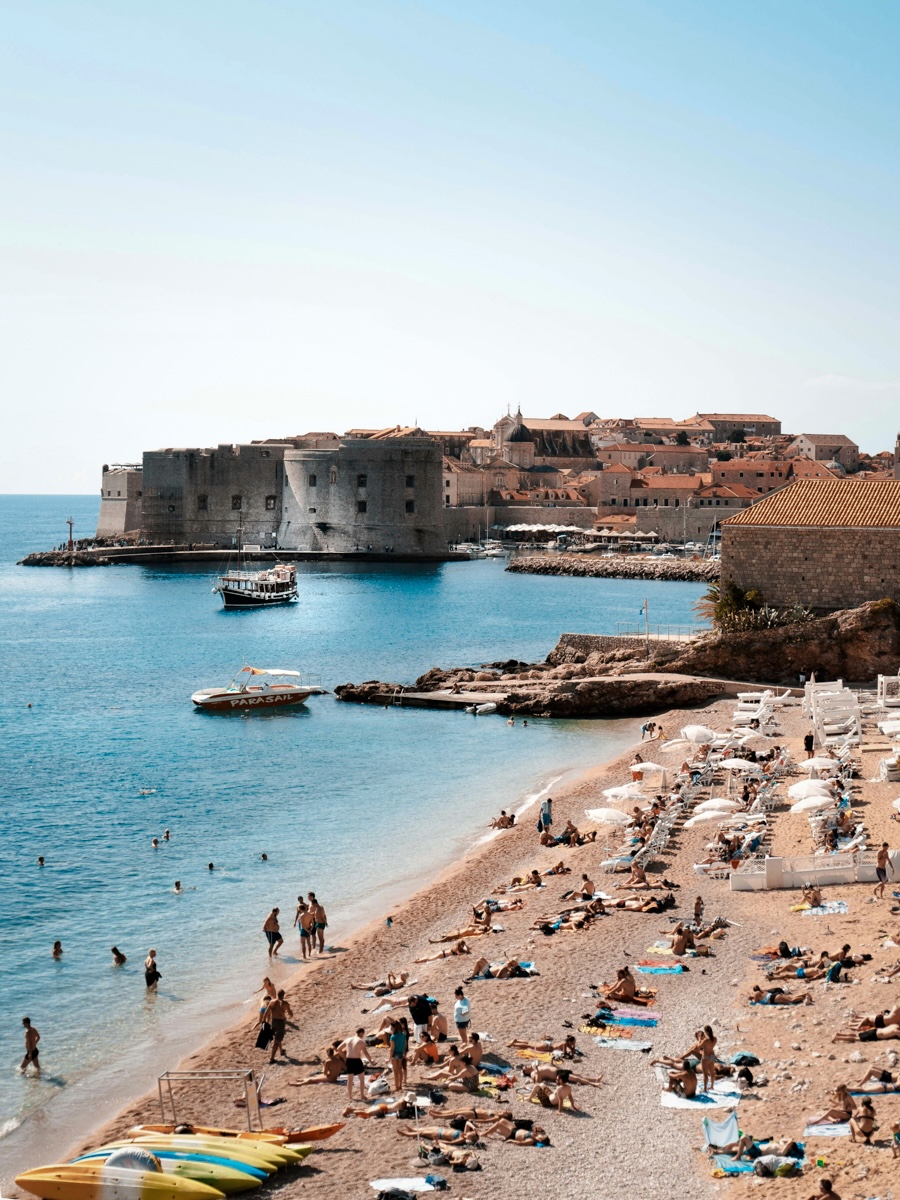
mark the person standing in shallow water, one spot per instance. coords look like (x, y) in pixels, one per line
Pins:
(32, 1037)
(307, 926)
(319, 919)
(272, 930)
(151, 973)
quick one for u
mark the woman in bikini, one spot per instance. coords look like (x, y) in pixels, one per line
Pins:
(843, 1106)
(567, 1048)
(705, 1049)
(522, 1133)
(334, 1065)
(381, 987)
(864, 1123)
(458, 1131)
(461, 947)
(486, 970)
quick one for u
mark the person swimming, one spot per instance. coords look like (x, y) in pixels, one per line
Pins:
(119, 959)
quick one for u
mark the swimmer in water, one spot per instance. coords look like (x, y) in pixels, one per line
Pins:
(57, 950)
(155, 843)
(166, 836)
(264, 857)
(178, 888)
(40, 860)
(210, 867)
(119, 959)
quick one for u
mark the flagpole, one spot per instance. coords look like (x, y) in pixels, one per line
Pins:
(647, 624)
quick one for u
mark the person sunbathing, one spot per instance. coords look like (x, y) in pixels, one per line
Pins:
(624, 989)
(863, 1123)
(778, 996)
(457, 1131)
(504, 821)
(480, 911)
(381, 987)
(682, 939)
(812, 895)
(512, 969)
(646, 904)
(637, 878)
(683, 1082)
(877, 1081)
(557, 1097)
(335, 1064)
(546, 1046)
(475, 1049)
(426, 1052)
(878, 1027)
(841, 1108)
(459, 1075)
(821, 968)
(522, 1132)
(402, 1105)
(559, 869)
(547, 1073)
(461, 947)
(478, 1114)
(459, 935)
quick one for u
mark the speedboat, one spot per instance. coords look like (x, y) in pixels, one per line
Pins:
(257, 687)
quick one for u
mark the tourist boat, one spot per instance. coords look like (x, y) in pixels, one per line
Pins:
(257, 687)
(255, 589)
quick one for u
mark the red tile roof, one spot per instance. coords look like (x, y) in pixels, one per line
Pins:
(828, 504)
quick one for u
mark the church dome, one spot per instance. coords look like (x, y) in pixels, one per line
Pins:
(519, 433)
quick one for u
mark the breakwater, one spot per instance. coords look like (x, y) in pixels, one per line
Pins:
(623, 567)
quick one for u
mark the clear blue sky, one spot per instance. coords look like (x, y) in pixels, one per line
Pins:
(246, 219)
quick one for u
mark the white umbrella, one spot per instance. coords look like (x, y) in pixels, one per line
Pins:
(895, 804)
(648, 766)
(705, 817)
(818, 764)
(720, 805)
(627, 791)
(607, 816)
(737, 764)
(808, 787)
(699, 733)
(811, 803)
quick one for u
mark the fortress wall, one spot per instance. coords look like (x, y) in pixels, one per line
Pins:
(382, 495)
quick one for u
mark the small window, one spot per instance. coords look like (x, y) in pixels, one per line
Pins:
(118, 493)
(410, 506)
(447, 501)
(410, 481)
(361, 480)
(202, 503)
(311, 510)
(265, 453)
(138, 494)
(171, 508)
(678, 504)
(108, 492)
(446, 483)
(612, 500)
(360, 506)
(270, 503)
(312, 481)
(332, 478)
(236, 503)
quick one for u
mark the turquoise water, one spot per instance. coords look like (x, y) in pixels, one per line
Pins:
(359, 804)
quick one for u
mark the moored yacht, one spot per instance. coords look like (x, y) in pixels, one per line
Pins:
(254, 589)
(257, 687)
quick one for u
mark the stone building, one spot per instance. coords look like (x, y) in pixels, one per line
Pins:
(823, 543)
(827, 447)
(211, 496)
(724, 424)
(121, 497)
(380, 493)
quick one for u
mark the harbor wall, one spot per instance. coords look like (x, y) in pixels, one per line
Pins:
(121, 500)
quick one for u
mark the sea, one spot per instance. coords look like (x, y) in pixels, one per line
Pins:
(101, 751)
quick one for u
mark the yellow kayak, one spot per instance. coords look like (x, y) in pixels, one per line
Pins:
(258, 1135)
(90, 1181)
(228, 1178)
(244, 1152)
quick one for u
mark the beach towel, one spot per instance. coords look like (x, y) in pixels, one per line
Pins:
(622, 1011)
(841, 1129)
(827, 909)
(725, 1164)
(645, 996)
(676, 970)
(543, 1056)
(618, 1019)
(404, 1185)
(618, 1044)
(721, 1133)
(609, 1031)
(711, 1099)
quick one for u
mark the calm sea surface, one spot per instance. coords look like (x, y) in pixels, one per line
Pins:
(359, 804)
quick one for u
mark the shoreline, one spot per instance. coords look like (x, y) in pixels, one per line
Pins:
(326, 1007)
(52, 1121)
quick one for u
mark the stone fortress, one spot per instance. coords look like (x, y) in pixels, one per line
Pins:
(412, 492)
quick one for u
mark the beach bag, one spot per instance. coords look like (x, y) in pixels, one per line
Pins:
(264, 1036)
(745, 1059)
(438, 1182)
(378, 1088)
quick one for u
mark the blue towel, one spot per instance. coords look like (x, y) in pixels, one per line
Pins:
(679, 970)
(731, 1166)
(615, 1019)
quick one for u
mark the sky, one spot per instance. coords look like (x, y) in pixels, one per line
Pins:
(253, 218)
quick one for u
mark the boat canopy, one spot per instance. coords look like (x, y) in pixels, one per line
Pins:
(267, 671)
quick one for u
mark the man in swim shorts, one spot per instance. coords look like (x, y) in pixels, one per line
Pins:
(356, 1050)
(882, 866)
(272, 930)
(319, 920)
(32, 1037)
(277, 1012)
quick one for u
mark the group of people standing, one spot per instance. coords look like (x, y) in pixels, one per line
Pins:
(311, 922)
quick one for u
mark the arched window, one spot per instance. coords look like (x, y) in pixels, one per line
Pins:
(332, 478)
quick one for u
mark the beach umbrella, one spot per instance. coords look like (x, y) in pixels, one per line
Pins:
(895, 803)
(699, 733)
(627, 791)
(720, 805)
(811, 803)
(818, 764)
(707, 817)
(607, 816)
(738, 764)
(808, 787)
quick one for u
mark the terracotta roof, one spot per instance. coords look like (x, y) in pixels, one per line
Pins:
(828, 504)
(735, 417)
(808, 468)
(738, 490)
(826, 439)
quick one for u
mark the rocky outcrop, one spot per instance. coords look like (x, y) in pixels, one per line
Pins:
(555, 697)
(854, 644)
(678, 569)
(64, 558)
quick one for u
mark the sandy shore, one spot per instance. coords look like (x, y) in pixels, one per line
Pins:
(624, 1135)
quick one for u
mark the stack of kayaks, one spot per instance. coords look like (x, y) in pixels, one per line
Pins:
(156, 1163)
